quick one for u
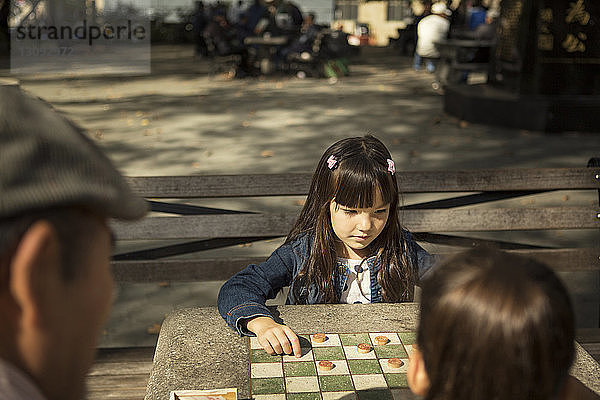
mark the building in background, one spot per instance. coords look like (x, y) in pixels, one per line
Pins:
(383, 18)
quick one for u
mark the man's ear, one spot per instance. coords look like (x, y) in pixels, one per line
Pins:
(33, 272)
(417, 378)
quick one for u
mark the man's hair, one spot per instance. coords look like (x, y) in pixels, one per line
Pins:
(495, 326)
(72, 229)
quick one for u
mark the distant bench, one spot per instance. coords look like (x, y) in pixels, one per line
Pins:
(459, 56)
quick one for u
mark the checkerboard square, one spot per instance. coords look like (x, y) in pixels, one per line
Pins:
(335, 383)
(269, 396)
(352, 339)
(260, 356)
(301, 384)
(352, 353)
(299, 368)
(307, 355)
(328, 353)
(391, 351)
(389, 370)
(340, 367)
(396, 380)
(266, 370)
(382, 394)
(408, 348)
(304, 396)
(339, 395)
(267, 386)
(364, 367)
(393, 337)
(333, 340)
(404, 394)
(368, 382)
(408, 337)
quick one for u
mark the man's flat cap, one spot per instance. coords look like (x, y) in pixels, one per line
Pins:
(46, 161)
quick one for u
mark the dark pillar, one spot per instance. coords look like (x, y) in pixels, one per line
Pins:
(545, 73)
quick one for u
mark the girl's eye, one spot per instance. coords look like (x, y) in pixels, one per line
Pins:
(382, 211)
(348, 211)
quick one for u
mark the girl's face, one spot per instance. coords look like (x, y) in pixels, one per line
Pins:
(356, 228)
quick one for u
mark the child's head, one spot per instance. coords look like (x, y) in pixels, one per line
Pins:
(352, 173)
(492, 325)
(352, 207)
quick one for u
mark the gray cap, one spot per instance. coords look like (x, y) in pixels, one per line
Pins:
(46, 161)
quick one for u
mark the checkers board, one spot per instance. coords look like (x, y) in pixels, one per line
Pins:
(355, 375)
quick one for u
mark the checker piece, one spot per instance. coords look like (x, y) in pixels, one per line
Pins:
(381, 340)
(363, 348)
(395, 362)
(326, 365)
(319, 337)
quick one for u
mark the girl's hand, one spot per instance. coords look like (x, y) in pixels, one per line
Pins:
(273, 337)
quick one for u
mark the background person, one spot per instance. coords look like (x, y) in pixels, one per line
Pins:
(56, 192)
(433, 28)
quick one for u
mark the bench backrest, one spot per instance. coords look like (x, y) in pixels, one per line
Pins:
(469, 208)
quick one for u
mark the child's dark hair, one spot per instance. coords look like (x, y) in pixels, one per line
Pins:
(361, 167)
(495, 326)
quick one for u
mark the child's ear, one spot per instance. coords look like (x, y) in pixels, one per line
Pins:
(418, 381)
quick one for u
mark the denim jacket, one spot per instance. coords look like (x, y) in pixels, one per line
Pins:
(244, 295)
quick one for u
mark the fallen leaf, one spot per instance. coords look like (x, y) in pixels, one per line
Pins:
(196, 164)
(246, 124)
(300, 202)
(463, 124)
(139, 113)
(144, 122)
(164, 284)
(267, 153)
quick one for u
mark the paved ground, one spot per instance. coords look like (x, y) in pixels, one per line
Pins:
(180, 120)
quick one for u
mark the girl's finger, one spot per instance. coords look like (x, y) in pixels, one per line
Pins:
(293, 338)
(266, 345)
(273, 339)
(283, 340)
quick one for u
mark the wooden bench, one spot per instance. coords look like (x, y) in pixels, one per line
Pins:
(472, 210)
(515, 209)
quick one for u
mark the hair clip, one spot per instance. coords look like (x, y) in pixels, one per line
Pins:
(391, 166)
(331, 162)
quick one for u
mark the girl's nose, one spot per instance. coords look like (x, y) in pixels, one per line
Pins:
(364, 223)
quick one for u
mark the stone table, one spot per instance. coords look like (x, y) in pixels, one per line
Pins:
(196, 349)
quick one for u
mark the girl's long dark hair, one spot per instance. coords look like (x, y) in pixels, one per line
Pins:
(361, 169)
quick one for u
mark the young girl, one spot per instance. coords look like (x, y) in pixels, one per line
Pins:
(494, 326)
(347, 246)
